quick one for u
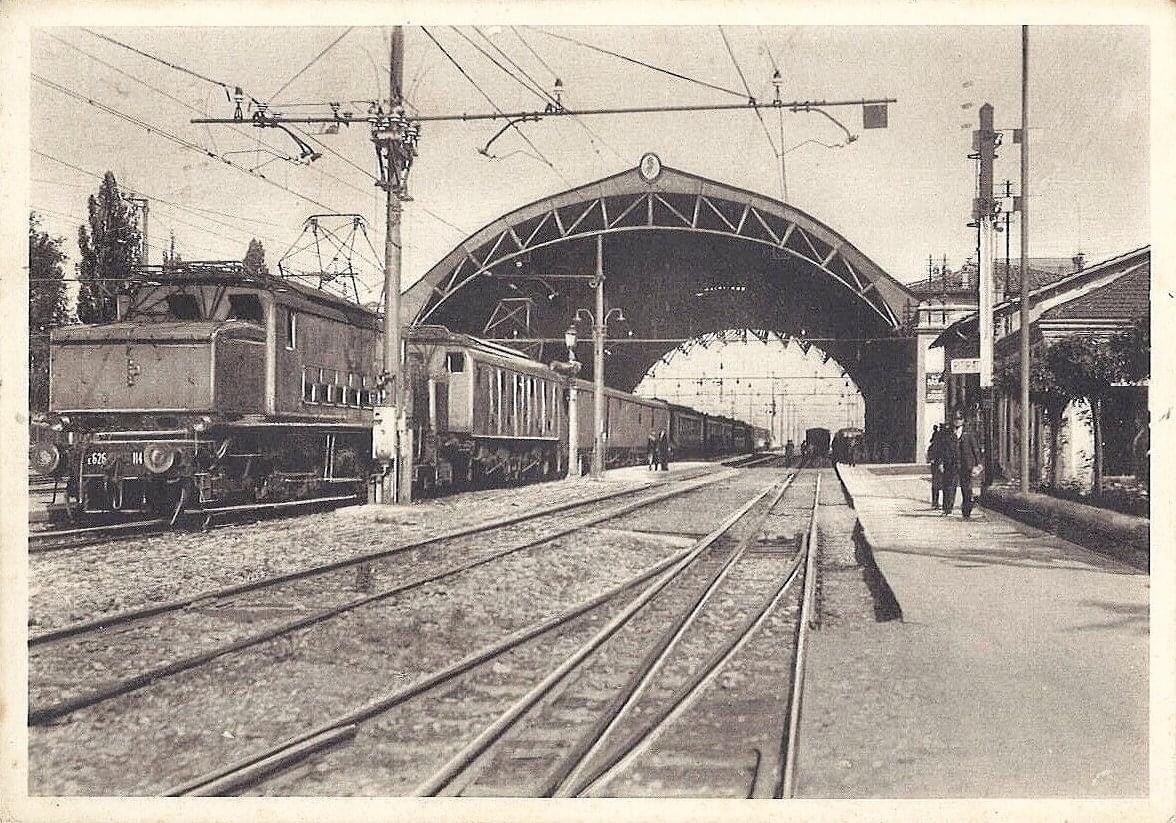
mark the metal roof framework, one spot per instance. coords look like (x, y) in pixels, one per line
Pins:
(675, 201)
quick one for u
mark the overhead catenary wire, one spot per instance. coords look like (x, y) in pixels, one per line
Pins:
(634, 60)
(283, 155)
(155, 198)
(156, 130)
(531, 49)
(759, 115)
(228, 89)
(546, 94)
(494, 105)
(313, 60)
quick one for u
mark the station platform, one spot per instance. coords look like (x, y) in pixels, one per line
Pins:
(1017, 668)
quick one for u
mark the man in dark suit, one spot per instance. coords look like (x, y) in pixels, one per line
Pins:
(963, 459)
(935, 458)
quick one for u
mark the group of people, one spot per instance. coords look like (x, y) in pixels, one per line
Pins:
(657, 450)
(956, 458)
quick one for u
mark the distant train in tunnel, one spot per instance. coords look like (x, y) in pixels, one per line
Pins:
(816, 442)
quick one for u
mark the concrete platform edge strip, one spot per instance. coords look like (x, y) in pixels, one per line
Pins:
(886, 604)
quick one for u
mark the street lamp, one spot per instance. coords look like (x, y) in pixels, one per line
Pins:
(599, 332)
(570, 369)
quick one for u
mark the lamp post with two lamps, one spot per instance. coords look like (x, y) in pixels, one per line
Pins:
(599, 321)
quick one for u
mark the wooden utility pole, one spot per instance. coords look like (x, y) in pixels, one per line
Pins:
(395, 146)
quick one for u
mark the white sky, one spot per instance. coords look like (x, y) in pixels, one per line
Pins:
(899, 194)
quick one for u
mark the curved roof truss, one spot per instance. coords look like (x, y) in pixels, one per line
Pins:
(673, 202)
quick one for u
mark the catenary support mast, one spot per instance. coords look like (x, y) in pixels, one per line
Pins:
(1024, 451)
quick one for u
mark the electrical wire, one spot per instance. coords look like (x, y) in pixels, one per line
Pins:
(751, 97)
(539, 92)
(494, 105)
(197, 110)
(151, 128)
(227, 88)
(157, 199)
(640, 63)
(548, 96)
(515, 30)
(316, 58)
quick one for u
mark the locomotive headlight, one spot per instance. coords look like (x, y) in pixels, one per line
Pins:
(202, 424)
(159, 458)
(45, 458)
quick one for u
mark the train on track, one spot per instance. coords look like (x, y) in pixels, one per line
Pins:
(217, 388)
(817, 441)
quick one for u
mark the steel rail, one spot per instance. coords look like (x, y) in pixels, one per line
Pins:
(53, 534)
(570, 769)
(436, 783)
(787, 789)
(685, 696)
(129, 615)
(244, 769)
(44, 714)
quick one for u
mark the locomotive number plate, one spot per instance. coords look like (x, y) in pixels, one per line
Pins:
(96, 459)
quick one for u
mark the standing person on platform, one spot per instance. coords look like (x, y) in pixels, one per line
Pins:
(651, 450)
(663, 450)
(966, 460)
(789, 452)
(935, 457)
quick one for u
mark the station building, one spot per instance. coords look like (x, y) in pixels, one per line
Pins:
(1097, 301)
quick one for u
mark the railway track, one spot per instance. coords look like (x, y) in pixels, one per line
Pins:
(47, 540)
(525, 751)
(714, 562)
(249, 771)
(164, 627)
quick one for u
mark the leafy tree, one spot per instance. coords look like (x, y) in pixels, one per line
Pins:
(254, 262)
(1044, 391)
(1133, 350)
(109, 247)
(1087, 368)
(47, 307)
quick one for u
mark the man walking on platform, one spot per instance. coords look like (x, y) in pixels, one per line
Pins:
(663, 450)
(651, 450)
(935, 458)
(963, 459)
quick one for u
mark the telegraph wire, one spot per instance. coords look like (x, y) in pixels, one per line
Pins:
(494, 105)
(640, 63)
(316, 58)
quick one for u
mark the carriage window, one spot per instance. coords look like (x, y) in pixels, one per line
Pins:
(183, 306)
(455, 362)
(245, 307)
(291, 331)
